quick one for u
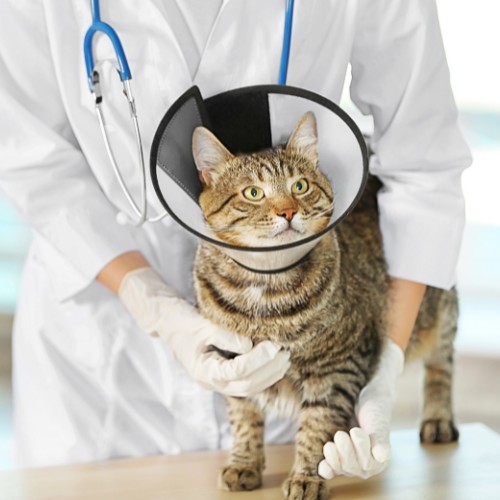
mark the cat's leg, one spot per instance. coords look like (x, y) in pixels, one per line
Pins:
(437, 419)
(320, 418)
(244, 471)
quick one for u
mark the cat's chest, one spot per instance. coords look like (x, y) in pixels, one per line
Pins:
(256, 297)
(264, 312)
(283, 307)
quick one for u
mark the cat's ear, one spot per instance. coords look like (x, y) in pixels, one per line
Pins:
(209, 153)
(305, 137)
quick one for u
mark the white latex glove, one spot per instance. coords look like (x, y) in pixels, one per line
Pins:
(159, 310)
(366, 450)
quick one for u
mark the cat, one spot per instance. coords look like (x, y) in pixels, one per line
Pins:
(328, 311)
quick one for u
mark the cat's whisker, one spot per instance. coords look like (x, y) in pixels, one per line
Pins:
(326, 210)
(232, 228)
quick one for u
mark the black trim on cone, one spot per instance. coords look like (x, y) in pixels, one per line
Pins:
(194, 92)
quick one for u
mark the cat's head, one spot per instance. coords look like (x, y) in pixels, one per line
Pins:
(268, 198)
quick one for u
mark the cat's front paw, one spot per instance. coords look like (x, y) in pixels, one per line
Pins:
(240, 477)
(305, 488)
(438, 431)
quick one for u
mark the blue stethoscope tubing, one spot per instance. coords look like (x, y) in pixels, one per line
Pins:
(98, 26)
(93, 77)
(287, 42)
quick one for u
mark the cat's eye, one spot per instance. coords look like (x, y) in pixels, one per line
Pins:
(253, 193)
(300, 187)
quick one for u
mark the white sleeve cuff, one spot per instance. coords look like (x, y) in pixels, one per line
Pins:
(79, 242)
(421, 243)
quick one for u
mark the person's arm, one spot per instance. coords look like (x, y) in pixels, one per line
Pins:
(43, 172)
(159, 311)
(405, 298)
(365, 451)
(112, 274)
(400, 77)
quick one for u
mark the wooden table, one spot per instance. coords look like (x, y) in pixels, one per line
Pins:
(469, 470)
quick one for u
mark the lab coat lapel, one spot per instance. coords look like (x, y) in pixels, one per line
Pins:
(215, 26)
(244, 46)
(167, 39)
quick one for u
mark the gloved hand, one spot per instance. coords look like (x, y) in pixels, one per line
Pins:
(159, 310)
(366, 450)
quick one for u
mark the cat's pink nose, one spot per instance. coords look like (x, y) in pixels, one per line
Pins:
(287, 213)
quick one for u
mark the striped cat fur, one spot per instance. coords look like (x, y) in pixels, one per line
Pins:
(328, 311)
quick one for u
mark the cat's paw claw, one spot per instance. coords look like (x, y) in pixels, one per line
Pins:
(304, 488)
(240, 477)
(438, 431)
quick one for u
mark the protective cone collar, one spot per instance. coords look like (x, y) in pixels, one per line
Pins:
(248, 120)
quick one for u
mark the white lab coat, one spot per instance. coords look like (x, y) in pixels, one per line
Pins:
(89, 385)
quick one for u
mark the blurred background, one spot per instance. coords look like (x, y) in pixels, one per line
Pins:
(472, 38)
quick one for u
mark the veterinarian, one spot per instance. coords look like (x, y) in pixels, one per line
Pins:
(91, 382)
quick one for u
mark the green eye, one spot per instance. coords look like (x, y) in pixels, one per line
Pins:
(253, 193)
(300, 187)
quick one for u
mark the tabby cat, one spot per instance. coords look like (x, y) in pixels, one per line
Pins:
(328, 311)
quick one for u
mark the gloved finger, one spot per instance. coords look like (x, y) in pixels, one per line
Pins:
(332, 457)
(347, 455)
(362, 447)
(373, 411)
(246, 364)
(261, 379)
(374, 419)
(324, 470)
(381, 447)
(211, 370)
(364, 451)
(228, 341)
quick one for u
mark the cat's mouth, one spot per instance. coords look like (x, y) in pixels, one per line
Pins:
(288, 234)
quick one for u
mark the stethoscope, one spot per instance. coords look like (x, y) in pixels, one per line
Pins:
(98, 26)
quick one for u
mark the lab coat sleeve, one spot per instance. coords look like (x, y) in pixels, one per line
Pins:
(42, 170)
(400, 77)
